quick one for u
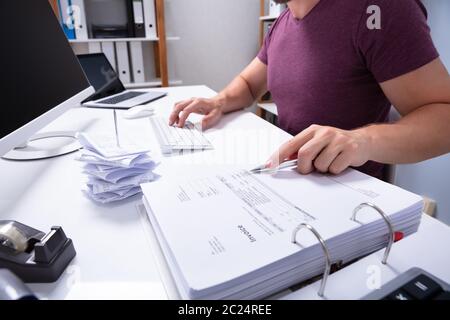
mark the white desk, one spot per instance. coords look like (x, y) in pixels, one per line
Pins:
(114, 258)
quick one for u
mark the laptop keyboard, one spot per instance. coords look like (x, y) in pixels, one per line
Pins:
(121, 97)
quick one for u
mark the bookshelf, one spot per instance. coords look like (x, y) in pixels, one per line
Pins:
(122, 39)
(267, 18)
(157, 82)
(158, 46)
(265, 107)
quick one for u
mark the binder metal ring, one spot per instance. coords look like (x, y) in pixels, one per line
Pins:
(386, 219)
(325, 252)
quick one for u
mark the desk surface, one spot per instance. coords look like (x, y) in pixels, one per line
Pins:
(114, 257)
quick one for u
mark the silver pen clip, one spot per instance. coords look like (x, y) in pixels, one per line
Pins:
(284, 165)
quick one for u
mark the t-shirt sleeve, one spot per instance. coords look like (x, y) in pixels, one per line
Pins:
(262, 54)
(402, 44)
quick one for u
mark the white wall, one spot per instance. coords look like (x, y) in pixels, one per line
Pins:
(432, 178)
(218, 39)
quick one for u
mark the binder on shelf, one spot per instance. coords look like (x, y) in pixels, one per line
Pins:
(138, 15)
(67, 23)
(149, 18)
(275, 9)
(137, 61)
(267, 27)
(123, 65)
(109, 51)
(130, 19)
(79, 18)
(94, 47)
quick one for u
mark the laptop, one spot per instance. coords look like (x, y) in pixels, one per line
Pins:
(109, 90)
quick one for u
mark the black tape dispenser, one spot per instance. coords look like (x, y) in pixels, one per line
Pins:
(33, 255)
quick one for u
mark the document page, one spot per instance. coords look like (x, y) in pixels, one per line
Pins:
(269, 211)
(229, 223)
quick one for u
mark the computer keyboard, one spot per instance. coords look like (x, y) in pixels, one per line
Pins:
(414, 284)
(172, 138)
(121, 97)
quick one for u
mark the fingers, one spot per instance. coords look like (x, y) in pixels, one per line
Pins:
(192, 107)
(324, 160)
(324, 149)
(183, 109)
(174, 116)
(341, 163)
(210, 120)
(309, 152)
(289, 148)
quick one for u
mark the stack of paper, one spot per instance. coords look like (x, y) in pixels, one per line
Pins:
(227, 234)
(114, 173)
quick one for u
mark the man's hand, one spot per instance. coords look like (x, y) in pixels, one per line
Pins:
(211, 108)
(325, 149)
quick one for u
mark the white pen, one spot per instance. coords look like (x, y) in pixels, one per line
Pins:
(287, 164)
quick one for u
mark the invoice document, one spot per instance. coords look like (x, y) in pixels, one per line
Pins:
(226, 229)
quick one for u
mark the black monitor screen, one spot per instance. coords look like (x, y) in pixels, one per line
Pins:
(38, 67)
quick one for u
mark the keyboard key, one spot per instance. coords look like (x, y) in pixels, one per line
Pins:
(399, 295)
(422, 287)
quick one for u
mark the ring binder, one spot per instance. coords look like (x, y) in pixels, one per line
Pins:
(326, 273)
(386, 219)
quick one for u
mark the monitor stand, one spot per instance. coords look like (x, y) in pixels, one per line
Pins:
(45, 145)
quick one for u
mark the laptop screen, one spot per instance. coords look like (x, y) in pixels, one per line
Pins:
(100, 73)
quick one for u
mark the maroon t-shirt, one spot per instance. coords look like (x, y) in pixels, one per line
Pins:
(326, 68)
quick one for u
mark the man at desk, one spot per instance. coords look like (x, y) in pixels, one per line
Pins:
(334, 68)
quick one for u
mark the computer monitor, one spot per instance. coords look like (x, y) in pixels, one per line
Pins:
(40, 75)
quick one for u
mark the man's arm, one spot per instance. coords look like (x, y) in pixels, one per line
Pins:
(421, 96)
(248, 86)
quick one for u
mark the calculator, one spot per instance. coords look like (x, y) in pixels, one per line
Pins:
(414, 284)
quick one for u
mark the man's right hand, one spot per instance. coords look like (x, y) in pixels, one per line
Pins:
(211, 108)
(239, 94)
